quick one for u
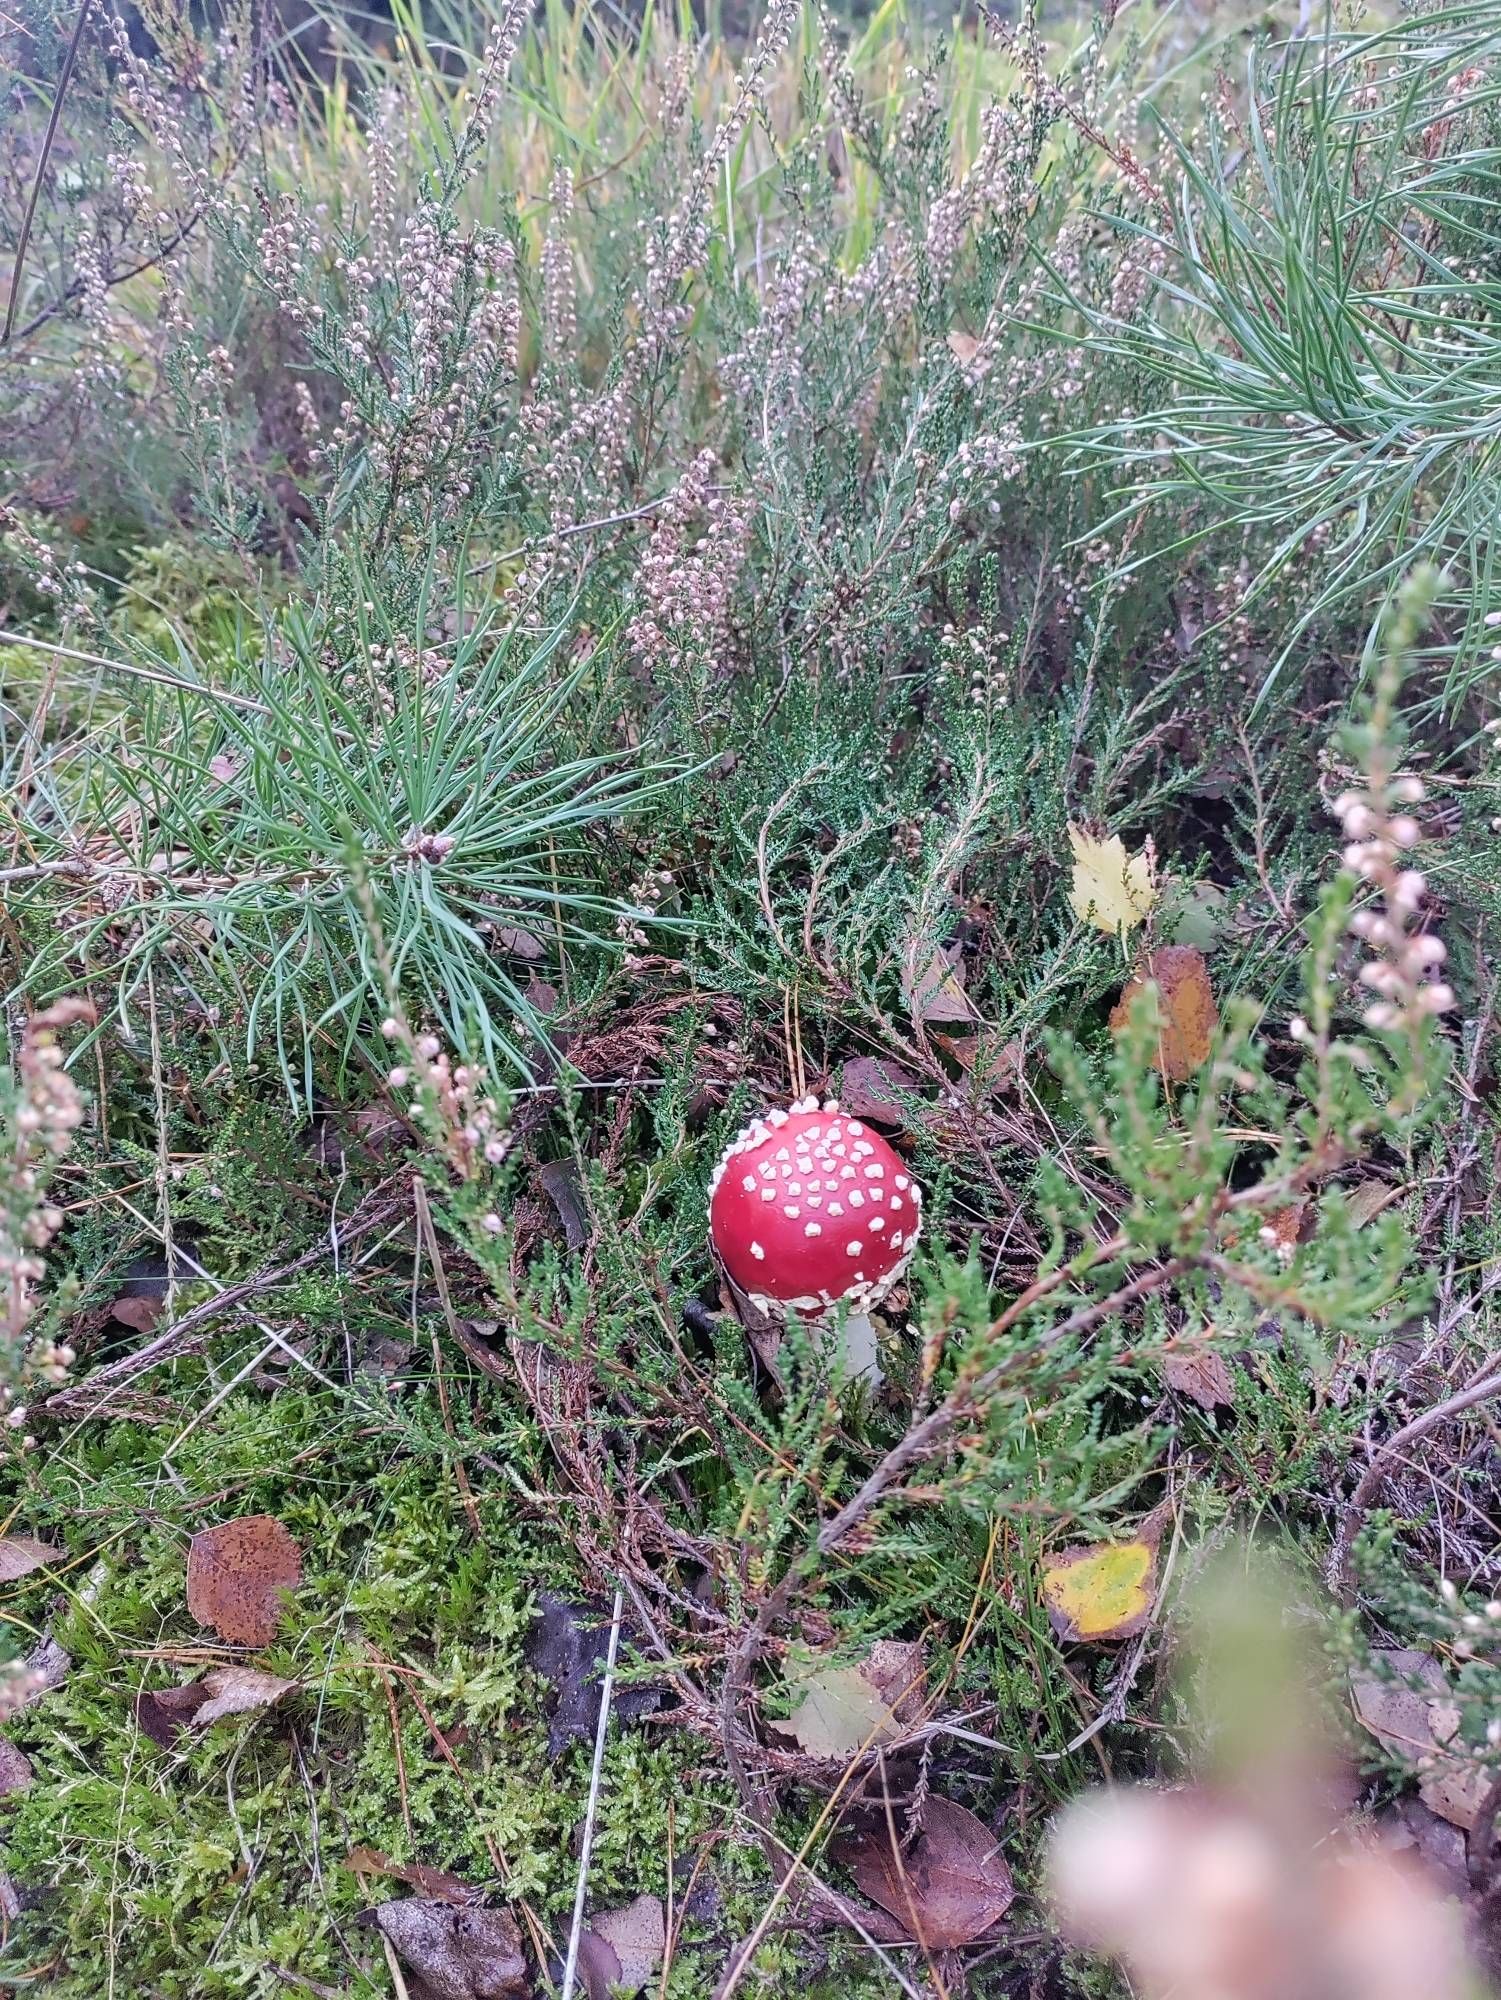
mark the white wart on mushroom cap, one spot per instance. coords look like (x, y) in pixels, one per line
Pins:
(809, 1208)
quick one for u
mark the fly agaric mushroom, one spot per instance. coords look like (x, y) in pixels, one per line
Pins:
(809, 1209)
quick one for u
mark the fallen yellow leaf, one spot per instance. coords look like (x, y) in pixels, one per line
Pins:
(1111, 889)
(1100, 1593)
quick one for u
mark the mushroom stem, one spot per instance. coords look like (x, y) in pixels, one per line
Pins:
(857, 1349)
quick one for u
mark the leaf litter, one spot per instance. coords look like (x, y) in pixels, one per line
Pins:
(1097, 1594)
(1404, 1700)
(1187, 1015)
(456, 1954)
(1111, 889)
(620, 1949)
(434, 1883)
(851, 1708)
(567, 1646)
(239, 1575)
(164, 1712)
(21, 1554)
(950, 1887)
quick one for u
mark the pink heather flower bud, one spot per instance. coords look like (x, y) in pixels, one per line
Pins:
(429, 1046)
(1437, 999)
(1409, 791)
(397, 1079)
(1404, 831)
(1381, 1014)
(491, 1224)
(1359, 821)
(1425, 952)
(389, 1029)
(1410, 890)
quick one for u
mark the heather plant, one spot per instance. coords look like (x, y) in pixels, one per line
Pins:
(567, 583)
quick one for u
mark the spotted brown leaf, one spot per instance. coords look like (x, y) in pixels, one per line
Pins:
(238, 1577)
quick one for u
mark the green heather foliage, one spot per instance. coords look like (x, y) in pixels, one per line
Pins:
(564, 580)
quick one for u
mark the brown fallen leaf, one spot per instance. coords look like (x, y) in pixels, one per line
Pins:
(163, 1712)
(933, 987)
(951, 1887)
(560, 1181)
(542, 998)
(238, 1576)
(1185, 1004)
(139, 1313)
(1098, 1594)
(520, 943)
(1411, 1824)
(622, 1948)
(567, 1645)
(238, 1691)
(872, 1088)
(15, 1768)
(1416, 1725)
(21, 1554)
(436, 1883)
(1199, 1372)
(142, 1298)
(998, 1064)
(469, 1954)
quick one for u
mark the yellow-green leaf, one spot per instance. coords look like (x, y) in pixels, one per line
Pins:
(1100, 1593)
(1111, 889)
(845, 1710)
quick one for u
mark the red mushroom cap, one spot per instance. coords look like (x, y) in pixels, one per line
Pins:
(809, 1207)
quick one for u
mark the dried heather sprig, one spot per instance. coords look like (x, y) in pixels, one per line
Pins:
(1407, 956)
(686, 580)
(45, 1110)
(559, 293)
(448, 1102)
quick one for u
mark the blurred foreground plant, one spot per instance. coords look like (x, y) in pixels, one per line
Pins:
(1241, 1886)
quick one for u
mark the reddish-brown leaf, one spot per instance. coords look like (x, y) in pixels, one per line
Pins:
(1185, 1005)
(162, 1713)
(950, 1887)
(138, 1312)
(872, 1088)
(238, 1576)
(433, 1882)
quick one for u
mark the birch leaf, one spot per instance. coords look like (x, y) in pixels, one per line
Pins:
(1111, 889)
